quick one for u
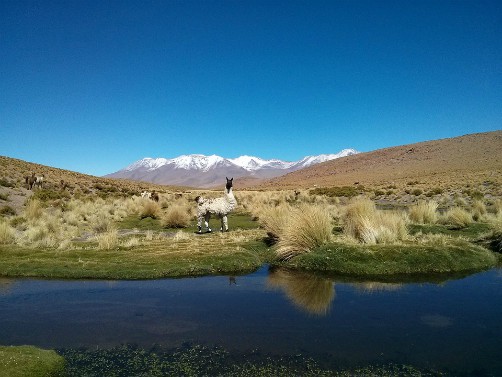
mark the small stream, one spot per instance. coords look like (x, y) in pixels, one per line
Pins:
(452, 325)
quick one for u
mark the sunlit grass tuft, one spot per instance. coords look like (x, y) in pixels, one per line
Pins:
(308, 227)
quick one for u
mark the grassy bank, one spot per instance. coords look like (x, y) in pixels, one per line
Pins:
(28, 361)
(180, 255)
(455, 255)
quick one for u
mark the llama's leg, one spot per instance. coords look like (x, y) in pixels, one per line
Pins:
(199, 223)
(206, 222)
(224, 223)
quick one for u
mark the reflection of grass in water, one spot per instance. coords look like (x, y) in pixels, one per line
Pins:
(205, 361)
(376, 286)
(307, 291)
(5, 285)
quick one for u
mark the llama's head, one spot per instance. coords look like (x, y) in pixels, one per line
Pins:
(229, 184)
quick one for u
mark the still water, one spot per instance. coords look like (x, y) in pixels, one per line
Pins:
(452, 325)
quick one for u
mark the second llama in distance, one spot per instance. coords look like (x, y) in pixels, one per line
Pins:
(219, 207)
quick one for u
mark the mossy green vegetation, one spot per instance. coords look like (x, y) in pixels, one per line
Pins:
(29, 361)
(206, 361)
(173, 256)
(440, 257)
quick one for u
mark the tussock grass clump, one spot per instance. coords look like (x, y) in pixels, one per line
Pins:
(457, 217)
(478, 210)
(7, 235)
(424, 212)
(307, 228)
(149, 208)
(274, 219)
(364, 223)
(176, 216)
(108, 240)
(33, 210)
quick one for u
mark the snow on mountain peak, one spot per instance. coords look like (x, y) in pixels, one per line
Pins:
(250, 163)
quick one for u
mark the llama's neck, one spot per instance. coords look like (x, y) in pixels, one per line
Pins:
(229, 194)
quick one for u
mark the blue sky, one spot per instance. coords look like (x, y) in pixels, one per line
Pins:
(93, 86)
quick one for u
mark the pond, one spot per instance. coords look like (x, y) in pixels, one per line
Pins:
(454, 325)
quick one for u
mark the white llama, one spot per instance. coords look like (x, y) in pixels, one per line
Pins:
(220, 207)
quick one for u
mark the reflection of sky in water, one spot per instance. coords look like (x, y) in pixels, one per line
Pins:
(455, 324)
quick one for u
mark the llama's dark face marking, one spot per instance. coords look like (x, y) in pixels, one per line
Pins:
(229, 184)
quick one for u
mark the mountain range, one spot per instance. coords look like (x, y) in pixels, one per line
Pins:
(197, 170)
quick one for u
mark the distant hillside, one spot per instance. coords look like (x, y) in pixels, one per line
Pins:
(13, 171)
(451, 162)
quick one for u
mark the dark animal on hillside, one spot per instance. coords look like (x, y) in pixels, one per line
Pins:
(154, 196)
(30, 180)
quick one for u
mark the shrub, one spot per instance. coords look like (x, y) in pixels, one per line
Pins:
(33, 210)
(45, 195)
(149, 208)
(478, 210)
(4, 196)
(5, 183)
(347, 191)
(457, 217)
(176, 216)
(6, 233)
(108, 240)
(308, 227)
(7, 211)
(273, 220)
(364, 223)
(417, 192)
(424, 212)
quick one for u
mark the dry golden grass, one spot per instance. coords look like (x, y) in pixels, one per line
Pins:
(149, 208)
(457, 217)
(424, 212)
(176, 216)
(7, 235)
(308, 227)
(364, 223)
(108, 240)
(446, 164)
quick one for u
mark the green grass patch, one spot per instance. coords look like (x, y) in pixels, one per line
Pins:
(28, 361)
(135, 222)
(194, 255)
(395, 260)
(346, 191)
(472, 231)
(236, 221)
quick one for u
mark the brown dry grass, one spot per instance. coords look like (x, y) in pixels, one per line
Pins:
(443, 164)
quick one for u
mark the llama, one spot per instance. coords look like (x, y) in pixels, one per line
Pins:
(146, 194)
(34, 181)
(220, 207)
(30, 180)
(154, 196)
(39, 181)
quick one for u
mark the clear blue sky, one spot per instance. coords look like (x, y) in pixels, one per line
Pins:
(93, 86)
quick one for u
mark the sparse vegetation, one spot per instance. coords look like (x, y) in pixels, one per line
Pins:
(346, 191)
(28, 361)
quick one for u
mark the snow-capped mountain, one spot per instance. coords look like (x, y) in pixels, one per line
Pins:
(207, 171)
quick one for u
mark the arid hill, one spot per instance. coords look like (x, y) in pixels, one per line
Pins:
(13, 172)
(447, 163)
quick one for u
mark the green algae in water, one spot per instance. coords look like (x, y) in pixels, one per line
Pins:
(129, 360)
